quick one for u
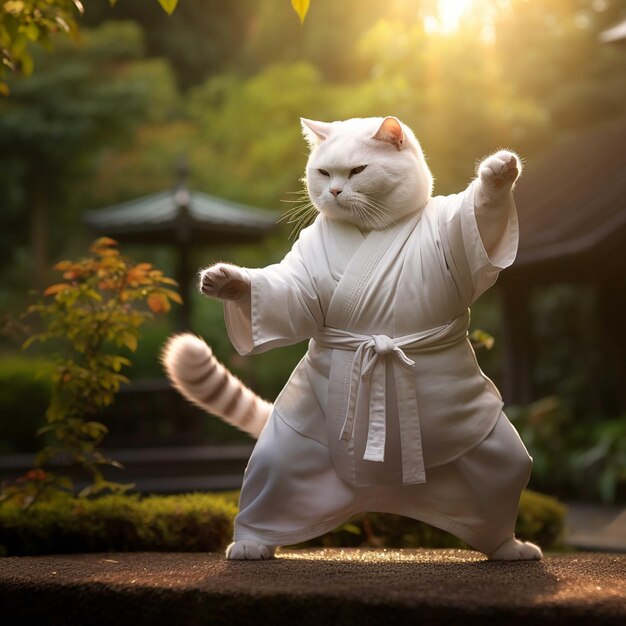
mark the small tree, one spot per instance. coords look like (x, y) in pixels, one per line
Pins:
(99, 310)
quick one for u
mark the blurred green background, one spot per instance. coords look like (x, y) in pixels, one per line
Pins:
(105, 118)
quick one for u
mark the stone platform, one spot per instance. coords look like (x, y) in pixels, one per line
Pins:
(313, 587)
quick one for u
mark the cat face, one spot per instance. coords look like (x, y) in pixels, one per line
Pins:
(367, 171)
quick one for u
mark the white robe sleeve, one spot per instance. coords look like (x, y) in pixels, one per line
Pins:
(283, 307)
(471, 266)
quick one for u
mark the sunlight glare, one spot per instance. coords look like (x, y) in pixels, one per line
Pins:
(449, 15)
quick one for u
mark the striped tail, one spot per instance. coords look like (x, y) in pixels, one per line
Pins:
(203, 380)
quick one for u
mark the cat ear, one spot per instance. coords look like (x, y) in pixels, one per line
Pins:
(314, 132)
(390, 131)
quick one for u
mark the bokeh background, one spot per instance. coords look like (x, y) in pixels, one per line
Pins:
(221, 84)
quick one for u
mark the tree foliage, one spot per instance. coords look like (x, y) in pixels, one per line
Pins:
(25, 21)
(37, 21)
(227, 82)
(202, 37)
(518, 75)
(86, 95)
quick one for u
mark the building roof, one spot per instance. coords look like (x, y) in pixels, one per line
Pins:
(181, 216)
(572, 201)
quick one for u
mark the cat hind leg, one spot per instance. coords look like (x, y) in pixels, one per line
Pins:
(247, 550)
(514, 550)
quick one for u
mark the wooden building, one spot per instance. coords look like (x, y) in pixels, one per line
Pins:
(572, 211)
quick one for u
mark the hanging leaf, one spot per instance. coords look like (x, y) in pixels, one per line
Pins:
(168, 5)
(300, 7)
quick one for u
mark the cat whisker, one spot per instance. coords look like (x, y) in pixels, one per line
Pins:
(295, 211)
(297, 219)
(374, 208)
(381, 218)
(371, 214)
(379, 213)
(370, 202)
(301, 215)
(377, 203)
(357, 212)
(298, 201)
(377, 222)
(300, 204)
(302, 223)
(291, 212)
(302, 190)
(360, 214)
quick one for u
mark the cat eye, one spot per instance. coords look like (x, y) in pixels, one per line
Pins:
(357, 170)
(324, 173)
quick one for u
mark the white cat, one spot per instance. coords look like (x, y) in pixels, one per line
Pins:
(388, 410)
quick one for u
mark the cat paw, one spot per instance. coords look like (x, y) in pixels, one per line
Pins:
(515, 550)
(249, 551)
(224, 281)
(500, 169)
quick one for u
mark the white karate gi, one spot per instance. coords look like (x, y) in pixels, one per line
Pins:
(388, 410)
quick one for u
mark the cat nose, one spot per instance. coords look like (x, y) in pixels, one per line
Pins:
(335, 191)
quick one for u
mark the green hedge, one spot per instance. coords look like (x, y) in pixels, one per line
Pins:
(189, 523)
(204, 522)
(25, 389)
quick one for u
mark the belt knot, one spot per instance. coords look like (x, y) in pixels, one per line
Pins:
(383, 344)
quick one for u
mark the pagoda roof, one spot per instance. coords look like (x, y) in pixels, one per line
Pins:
(181, 216)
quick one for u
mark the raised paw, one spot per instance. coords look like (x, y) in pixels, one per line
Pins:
(500, 169)
(515, 550)
(249, 551)
(223, 281)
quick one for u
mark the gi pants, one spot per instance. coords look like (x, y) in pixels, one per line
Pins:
(291, 492)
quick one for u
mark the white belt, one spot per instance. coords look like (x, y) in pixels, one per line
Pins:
(368, 375)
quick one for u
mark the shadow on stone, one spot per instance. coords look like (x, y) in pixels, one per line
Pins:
(313, 587)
